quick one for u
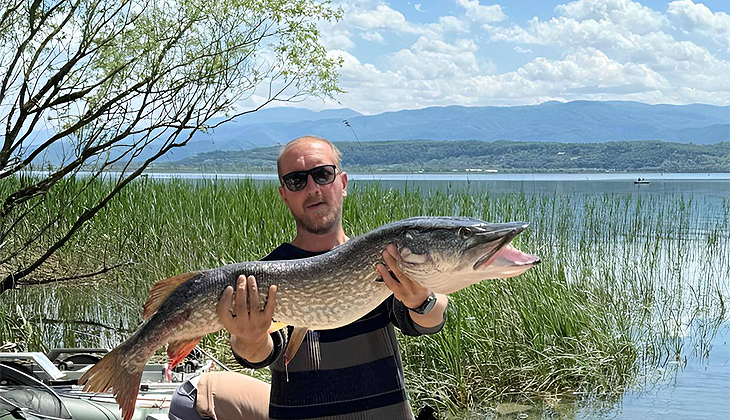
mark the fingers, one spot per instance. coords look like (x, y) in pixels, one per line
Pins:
(410, 292)
(393, 251)
(388, 279)
(225, 303)
(396, 273)
(254, 302)
(245, 301)
(271, 302)
(240, 304)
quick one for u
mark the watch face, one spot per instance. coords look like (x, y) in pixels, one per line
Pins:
(427, 305)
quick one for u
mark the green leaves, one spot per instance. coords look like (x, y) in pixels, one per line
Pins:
(121, 83)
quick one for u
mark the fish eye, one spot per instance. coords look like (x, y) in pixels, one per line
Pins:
(465, 233)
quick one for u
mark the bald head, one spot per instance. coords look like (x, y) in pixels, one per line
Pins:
(301, 145)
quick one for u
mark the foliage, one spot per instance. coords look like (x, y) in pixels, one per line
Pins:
(93, 84)
(614, 290)
(504, 156)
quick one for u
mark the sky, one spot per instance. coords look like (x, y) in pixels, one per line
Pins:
(415, 54)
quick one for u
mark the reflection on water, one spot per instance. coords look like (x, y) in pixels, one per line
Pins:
(694, 389)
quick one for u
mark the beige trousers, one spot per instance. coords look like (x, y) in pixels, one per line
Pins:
(232, 396)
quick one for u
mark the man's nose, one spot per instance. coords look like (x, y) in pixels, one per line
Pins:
(312, 187)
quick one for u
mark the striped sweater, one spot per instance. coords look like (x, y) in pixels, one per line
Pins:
(349, 373)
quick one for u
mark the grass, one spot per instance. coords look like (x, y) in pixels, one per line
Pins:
(623, 280)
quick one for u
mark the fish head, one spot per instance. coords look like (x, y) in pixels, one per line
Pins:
(449, 254)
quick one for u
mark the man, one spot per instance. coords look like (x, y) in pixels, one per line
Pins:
(352, 372)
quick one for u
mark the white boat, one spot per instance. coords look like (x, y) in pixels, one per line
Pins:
(37, 386)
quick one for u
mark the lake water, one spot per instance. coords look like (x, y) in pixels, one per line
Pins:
(715, 185)
(697, 387)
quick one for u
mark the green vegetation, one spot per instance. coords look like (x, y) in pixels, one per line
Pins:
(98, 84)
(622, 277)
(504, 156)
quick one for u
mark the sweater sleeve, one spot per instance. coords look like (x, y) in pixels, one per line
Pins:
(279, 338)
(400, 316)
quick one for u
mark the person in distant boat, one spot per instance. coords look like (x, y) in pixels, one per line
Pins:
(352, 372)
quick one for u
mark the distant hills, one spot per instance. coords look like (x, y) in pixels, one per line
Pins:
(502, 156)
(578, 122)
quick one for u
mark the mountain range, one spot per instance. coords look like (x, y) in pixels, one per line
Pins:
(572, 122)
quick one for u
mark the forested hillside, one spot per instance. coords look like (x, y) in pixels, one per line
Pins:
(504, 156)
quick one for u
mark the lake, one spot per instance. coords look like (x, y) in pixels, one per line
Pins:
(693, 387)
(694, 382)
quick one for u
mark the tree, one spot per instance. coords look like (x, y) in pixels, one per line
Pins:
(93, 85)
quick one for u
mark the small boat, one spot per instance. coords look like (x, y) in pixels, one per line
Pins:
(641, 181)
(37, 386)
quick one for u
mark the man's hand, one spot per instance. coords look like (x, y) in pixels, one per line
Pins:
(241, 315)
(410, 292)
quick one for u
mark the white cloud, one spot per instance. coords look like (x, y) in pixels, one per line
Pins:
(590, 49)
(383, 17)
(624, 13)
(700, 19)
(450, 24)
(380, 17)
(372, 36)
(429, 59)
(591, 68)
(482, 14)
(335, 37)
(417, 6)
(618, 28)
(586, 74)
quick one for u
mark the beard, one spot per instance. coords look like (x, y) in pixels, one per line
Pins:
(318, 223)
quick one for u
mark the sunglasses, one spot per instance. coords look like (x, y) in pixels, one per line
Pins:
(322, 175)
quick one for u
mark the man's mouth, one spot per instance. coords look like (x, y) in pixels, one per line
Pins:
(315, 205)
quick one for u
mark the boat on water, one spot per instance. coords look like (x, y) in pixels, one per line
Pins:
(641, 181)
(36, 386)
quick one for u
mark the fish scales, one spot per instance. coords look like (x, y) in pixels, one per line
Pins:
(321, 292)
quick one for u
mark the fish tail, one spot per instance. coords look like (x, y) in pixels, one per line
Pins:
(112, 373)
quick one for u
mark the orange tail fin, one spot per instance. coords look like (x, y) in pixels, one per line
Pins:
(178, 350)
(110, 374)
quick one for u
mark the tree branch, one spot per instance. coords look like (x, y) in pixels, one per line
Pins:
(75, 277)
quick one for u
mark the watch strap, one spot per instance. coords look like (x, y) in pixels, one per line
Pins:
(426, 306)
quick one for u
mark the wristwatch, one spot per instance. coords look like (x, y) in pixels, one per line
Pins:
(426, 306)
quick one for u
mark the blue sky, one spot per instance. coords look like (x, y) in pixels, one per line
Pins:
(414, 54)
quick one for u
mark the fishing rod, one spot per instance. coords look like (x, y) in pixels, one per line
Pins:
(348, 125)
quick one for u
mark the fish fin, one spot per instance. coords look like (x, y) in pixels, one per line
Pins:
(178, 350)
(295, 341)
(161, 290)
(110, 373)
(276, 326)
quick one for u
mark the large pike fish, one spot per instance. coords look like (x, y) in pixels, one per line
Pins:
(322, 292)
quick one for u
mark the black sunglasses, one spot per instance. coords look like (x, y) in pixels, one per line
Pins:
(322, 175)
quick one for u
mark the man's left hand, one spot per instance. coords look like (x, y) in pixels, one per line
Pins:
(411, 293)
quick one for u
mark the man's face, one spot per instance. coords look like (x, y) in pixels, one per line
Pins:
(316, 208)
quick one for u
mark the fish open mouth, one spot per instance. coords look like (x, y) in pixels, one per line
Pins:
(509, 255)
(505, 255)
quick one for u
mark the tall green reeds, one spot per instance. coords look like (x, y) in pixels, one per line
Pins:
(624, 280)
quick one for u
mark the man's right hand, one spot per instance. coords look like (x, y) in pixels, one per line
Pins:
(241, 315)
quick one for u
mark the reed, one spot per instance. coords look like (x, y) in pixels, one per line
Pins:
(623, 280)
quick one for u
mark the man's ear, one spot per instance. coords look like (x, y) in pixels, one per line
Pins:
(283, 194)
(344, 183)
